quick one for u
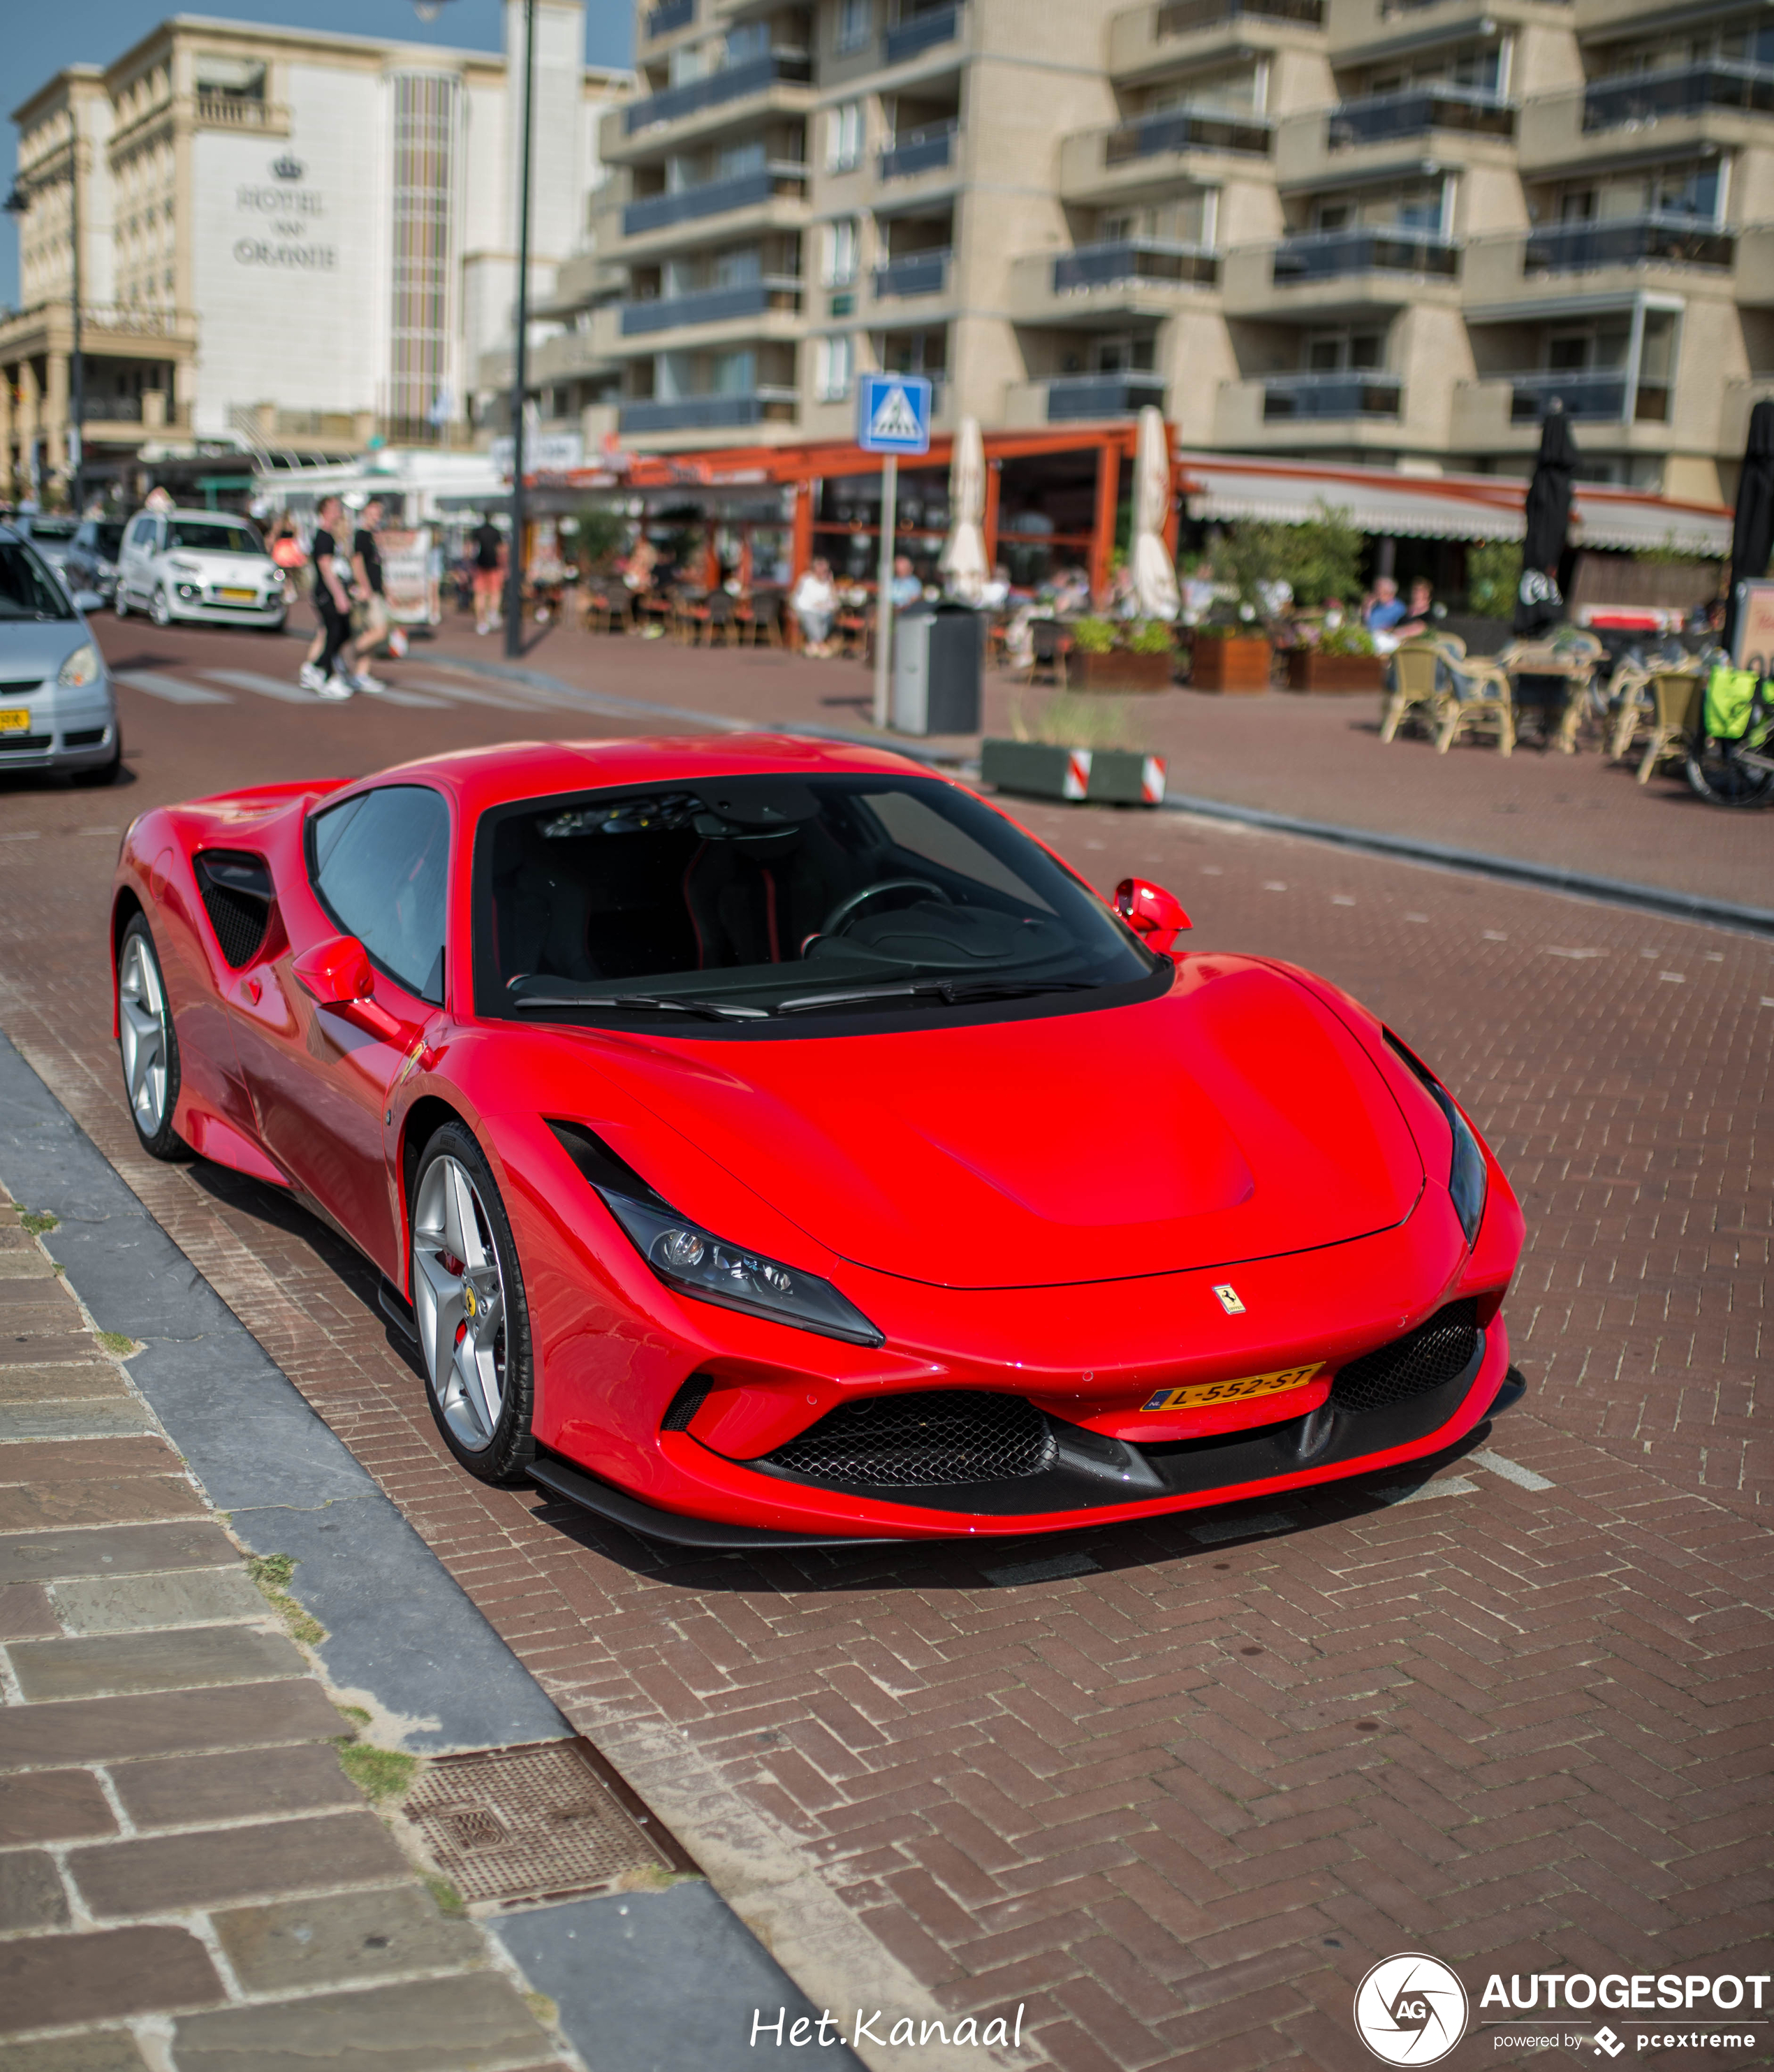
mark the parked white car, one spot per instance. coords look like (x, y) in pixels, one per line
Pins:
(205, 565)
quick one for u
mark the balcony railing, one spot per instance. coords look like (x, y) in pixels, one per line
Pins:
(713, 198)
(918, 274)
(699, 413)
(1072, 396)
(920, 32)
(236, 111)
(755, 75)
(1178, 18)
(669, 14)
(926, 150)
(1354, 392)
(751, 299)
(1326, 255)
(1643, 96)
(1673, 240)
(1597, 394)
(1187, 130)
(1132, 260)
(1414, 109)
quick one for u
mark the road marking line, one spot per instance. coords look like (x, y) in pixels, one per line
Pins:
(1217, 1529)
(390, 696)
(1495, 935)
(1671, 978)
(1273, 885)
(1341, 899)
(266, 687)
(1547, 950)
(512, 701)
(1421, 1492)
(1049, 1570)
(1511, 1471)
(174, 689)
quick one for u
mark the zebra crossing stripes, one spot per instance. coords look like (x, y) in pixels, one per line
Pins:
(174, 690)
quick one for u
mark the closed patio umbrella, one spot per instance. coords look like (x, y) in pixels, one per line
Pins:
(1538, 602)
(1154, 574)
(962, 561)
(1752, 535)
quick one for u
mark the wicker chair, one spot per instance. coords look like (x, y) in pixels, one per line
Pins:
(1480, 694)
(1629, 699)
(1677, 696)
(1416, 685)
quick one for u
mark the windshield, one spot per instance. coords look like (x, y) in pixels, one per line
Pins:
(108, 540)
(779, 899)
(213, 535)
(52, 528)
(27, 590)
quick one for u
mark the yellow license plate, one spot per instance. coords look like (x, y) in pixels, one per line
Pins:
(15, 719)
(240, 597)
(1201, 1394)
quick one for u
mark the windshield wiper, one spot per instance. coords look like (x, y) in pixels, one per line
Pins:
(952, 993)
(705, 1010)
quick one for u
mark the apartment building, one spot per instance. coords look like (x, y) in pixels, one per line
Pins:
(1387, 231)
(288, 239)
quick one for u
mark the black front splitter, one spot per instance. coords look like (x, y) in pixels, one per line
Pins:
(711, 1536)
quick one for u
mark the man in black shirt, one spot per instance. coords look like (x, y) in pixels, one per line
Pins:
(333, 603)
(366, 572)
(489, 545)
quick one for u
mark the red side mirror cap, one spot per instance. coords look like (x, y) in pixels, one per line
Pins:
(1155, 916)
(338, 972)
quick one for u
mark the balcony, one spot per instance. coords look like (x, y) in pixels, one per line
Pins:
(1594, 395)
(928, 150)
(1353, 392)
(1180, 17)
(1132, 259)
(713, 305)
(918, 33)
(668, 17)
(241, 112)
(1634, 98)
(736, 82)
(1670, 240)
(1186, 130)
(1144, 42)
(1328, 255)
(664, 212)
(918, 274)
(1132, 278)
(1073, 397)
(709, 414)
(1414, 111)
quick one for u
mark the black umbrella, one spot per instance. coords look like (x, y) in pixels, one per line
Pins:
(1752, 535)
(1539, 602)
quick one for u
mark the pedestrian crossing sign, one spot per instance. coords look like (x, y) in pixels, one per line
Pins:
(893, 413)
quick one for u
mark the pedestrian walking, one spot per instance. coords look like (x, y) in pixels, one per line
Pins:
(333, 604)
(367, 577)
(488, 543)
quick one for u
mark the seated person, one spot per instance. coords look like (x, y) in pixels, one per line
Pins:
(814, 605)
(905, 588)
(1385, 611)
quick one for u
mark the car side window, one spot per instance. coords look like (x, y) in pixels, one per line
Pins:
(141, 534)
(380, 864)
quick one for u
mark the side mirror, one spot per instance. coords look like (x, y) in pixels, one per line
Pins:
(338, 973)
(87, 600)
(1155, 915)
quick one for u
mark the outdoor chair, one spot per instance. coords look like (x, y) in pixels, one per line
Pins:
(1629, 699)
(1417, 670)
(1677, 696)
(854, 627)
(759, 618)
(1572, 659)
(1480, 694)
(713, 620)
(1049, 644)
(608, 609)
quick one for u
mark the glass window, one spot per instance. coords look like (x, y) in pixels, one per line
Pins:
(379, 866)
(215, 535)
(834, 360)
(27, 590)
(748, 899)
(856, 23)
(142, 533)
(843, 137)
(841, 246)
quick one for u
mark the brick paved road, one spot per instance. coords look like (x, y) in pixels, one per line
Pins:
(1174, 1790)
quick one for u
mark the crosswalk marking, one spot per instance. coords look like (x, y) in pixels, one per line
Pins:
(501, 700)
(279, 687)
(174, 689)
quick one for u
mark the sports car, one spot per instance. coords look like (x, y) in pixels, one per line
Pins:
(765, 1141)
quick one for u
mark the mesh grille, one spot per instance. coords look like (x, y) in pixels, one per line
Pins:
(27, 742)
(1432, 1354)
(936, 1436)
(236, 892)
(685, 1404)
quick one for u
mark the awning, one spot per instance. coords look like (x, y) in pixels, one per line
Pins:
(1389, 504)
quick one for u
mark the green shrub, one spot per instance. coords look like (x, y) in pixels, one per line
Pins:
(1093, 636)
(1322, 561)
(1250, 554)
(1347, 638)
(1494, 571)
(1150, 637)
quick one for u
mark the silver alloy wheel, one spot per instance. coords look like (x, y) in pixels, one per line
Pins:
(458, 1296)
(142, 1027)
(160, 611)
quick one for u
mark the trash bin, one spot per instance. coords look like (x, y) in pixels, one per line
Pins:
(938, 664)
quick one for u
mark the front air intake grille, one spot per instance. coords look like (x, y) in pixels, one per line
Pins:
(924, 1440)
(27, 743)
(85, 736)
(1431, 1356)
(237, 893)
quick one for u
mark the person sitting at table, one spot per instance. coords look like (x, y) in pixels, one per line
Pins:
(1415, 622)
(995, 592)
(905, 588)
(1384, 611)
(814, 605)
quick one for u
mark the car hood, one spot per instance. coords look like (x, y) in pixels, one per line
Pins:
(1234, 1118)
(31, 649)
(249, 570)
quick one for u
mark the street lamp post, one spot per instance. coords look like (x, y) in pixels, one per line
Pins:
(513, 572)
(18, 204)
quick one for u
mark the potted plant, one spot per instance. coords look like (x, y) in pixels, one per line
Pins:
(1107, 656)
(1343, 658)
(1232, 649)
(1078, 749)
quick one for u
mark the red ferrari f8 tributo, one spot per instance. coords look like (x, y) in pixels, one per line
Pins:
(767, 1142)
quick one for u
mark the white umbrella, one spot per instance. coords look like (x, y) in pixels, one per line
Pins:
(962, 561)
(1154, 576)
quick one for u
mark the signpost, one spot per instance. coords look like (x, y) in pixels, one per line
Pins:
(893, 418)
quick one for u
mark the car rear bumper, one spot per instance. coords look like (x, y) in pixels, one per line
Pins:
(203, 614)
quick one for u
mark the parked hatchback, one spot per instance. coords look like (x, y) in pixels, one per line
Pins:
(58, 709)
(204, 566)
(91, 562)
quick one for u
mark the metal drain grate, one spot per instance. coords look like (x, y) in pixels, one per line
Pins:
(538, 1823)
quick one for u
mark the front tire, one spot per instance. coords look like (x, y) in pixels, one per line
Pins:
(468, 1300)
(120, 604)
(1722, 780)
(159, 609)
(149, 1044)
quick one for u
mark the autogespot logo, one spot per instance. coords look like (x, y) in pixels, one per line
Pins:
(1410, 2010)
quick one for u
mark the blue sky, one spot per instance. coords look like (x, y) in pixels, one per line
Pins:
(40, 39)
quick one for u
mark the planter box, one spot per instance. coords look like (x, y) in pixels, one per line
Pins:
(1240, 664)
(1118, 670)
(1308, 670)
(1105, 776)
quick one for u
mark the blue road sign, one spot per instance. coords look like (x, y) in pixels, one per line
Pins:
(893, 413)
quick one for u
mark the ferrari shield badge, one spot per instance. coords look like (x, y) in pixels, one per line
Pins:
(1229, 1299)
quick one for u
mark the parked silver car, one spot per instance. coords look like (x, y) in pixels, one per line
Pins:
(58, 708)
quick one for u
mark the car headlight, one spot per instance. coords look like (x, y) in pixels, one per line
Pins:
(82, 667)
(695, 1262)
(1468, 1178)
